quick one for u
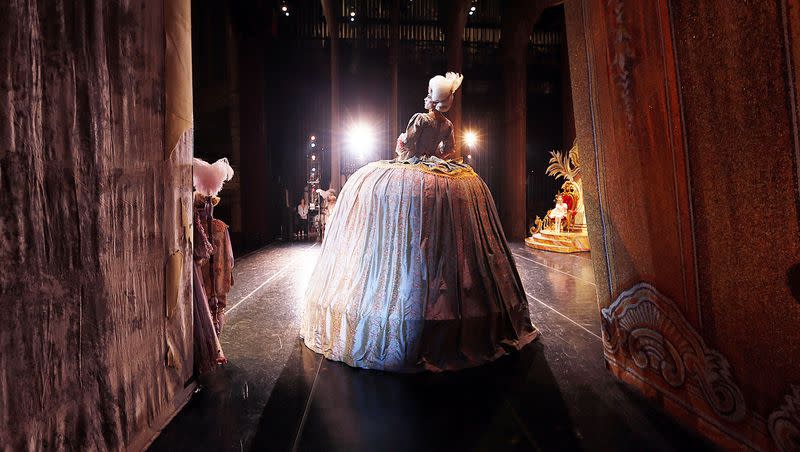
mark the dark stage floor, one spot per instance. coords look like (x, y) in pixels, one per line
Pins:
(555, 395)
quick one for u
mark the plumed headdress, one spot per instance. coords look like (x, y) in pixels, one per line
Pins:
(441, 90)
(209, 177)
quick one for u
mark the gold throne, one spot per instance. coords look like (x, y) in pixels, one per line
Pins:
(573, 236)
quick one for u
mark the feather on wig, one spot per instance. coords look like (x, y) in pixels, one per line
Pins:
(209, 177)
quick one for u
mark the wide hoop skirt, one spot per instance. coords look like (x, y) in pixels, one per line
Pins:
(415, 273)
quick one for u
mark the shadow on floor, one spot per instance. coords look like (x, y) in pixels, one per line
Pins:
(355, 409)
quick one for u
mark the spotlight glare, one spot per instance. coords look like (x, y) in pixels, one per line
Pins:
(361, 139)
(470, 138)
(287, 13)
(469, 156)
(352, 19)
(284, 8)
(352, 14)
(313, 145)
(472, 9)
(313, 157)
(313, 138)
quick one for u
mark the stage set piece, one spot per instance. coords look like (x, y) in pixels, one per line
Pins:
(563, 228)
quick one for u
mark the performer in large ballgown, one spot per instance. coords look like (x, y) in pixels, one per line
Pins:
(415, 272)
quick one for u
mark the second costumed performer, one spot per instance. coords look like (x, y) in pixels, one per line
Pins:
(415, 272)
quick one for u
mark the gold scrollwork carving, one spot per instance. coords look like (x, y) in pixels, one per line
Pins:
(646, 327)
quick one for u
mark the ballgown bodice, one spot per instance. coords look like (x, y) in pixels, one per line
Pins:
(427, 134)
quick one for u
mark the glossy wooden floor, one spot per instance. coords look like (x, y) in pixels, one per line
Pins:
(277, 395)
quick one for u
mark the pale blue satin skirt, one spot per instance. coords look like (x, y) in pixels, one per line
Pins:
(415, 273)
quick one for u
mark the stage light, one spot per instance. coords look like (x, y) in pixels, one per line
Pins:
(471, 13)
(352, 19)
(313, 145)
(470, 138)
(313, 138)
(361, 139)
(469, 156)
(313, 157)
(284, 8)
(287, 13)
(472, 8)
(352, 14)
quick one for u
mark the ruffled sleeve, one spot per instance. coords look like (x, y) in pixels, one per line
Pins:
(407, 141)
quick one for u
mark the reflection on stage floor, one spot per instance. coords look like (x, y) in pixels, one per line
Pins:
(555, 395)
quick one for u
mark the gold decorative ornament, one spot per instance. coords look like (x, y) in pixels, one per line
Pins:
(563, 228)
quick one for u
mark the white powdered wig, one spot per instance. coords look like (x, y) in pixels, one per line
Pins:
(441, 90)
(208, 178)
